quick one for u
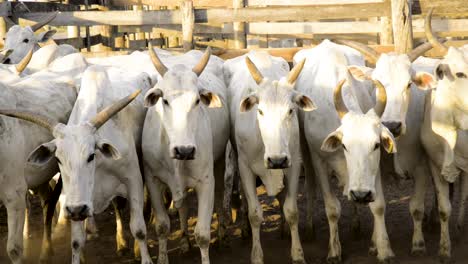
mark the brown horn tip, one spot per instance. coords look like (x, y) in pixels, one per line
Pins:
(21, 66)
(296, 70)
(340, 106)
(157, 63)
(256, 74)
(430, 34)
(44, 22)
(198, 69)
(31, 116)
(371, 55)
(381, 98)
(107, 113)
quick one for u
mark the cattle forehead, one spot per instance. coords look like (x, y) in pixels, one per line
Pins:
(359, 127)
(275, 93)
(391, 68)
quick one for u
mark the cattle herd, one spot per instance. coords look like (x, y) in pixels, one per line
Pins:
(117, 126)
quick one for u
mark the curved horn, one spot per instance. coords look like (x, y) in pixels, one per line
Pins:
(198, 69)
(33, 117)
(371, 55)
(44, 22)
(430, 35)
(256, 74)
(381, 99)
(160, 67)
(294, 73)
(419, 51)
(108, 112)
(340, 106)
(24, 62)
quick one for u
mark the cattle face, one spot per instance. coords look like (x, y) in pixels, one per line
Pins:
(179, 101)
(277, 103)
(361, 136)
(22, 39)
(75, 148)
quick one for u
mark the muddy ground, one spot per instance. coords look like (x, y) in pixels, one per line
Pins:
(276, 250)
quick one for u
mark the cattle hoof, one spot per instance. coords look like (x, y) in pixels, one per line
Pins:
(184, 245)
(389, 260)
(334, 260)
(373, 251)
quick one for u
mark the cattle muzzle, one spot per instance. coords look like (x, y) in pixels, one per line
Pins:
(394, 127)
(278, 162)
(362, 197)
(77, 213)
(184, 152)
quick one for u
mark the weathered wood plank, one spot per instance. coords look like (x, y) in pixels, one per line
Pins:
(19, 7)
(143, 43)
(450, 26)
(203, 28)
(79, 42)
(452, 8)
(196, 3)
(402, 29)
(309, 2)
(314, 28)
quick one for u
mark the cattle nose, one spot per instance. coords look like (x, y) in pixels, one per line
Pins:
(394, 127)
(278, 162)
(184, 152)
(77, 213)
(362, 196)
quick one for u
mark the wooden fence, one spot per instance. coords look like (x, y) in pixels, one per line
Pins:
(234, 25)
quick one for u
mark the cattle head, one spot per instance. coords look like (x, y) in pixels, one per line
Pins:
(361, 137)
(179, 101)
(75, 148)
(22, 39)
(394, 71)
(276, 103)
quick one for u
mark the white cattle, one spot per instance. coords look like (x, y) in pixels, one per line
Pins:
(266, 133)
(185, 143)
(444, 134)
(39, 94)
(97, 155)
(403, 116)
(345, 143)
(22, 39)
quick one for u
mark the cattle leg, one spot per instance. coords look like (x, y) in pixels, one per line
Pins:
(445, 210)
(292, 215)
(26, 226)
(184, 242)
(205, 195)
(461, 208)
(332, 208)
(49, 199)
(91, 228)
(255, 210)
(78, 240)
(16, 207)
(122, 245)
(137, 221)
(309, 190)
(380, 236)
(416, 207)
(219, 168)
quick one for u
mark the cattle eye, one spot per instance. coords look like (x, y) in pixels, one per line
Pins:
(25, 40)
(409, 86)
(290, 111)
(260, 111)
(165, 102)
(197, 102)
(377, 146)
(91, 157)
(58, 161)
(461, 75)
(344, 147)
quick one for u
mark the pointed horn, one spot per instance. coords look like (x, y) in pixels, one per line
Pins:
(24, 62)
(381, 98)
(294, 73)
(108, 112)
(198, 69)
(430, 35)
(257, 76)
(33, 117)
(160, 67)
(371, 55)
(340, 106)
(44, 22)
(419, 51)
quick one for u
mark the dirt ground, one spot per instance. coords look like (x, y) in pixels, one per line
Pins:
(276, 250)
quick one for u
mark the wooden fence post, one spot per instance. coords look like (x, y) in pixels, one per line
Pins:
(239, 28)
(188, 23)
(402, 25)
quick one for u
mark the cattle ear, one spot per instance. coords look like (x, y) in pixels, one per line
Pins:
(332, 142)
(442, 71)
(387, 140)
(107, 149)
(210, 99)
(360, 73)
(42, 154)
(424, 81)
(304, 102)
(152, 97)
(248, 102)
(45, 36)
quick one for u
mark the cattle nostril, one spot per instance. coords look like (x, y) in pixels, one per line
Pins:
(185, 152)
(277, 162)
(361, 196)
(79, 212)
